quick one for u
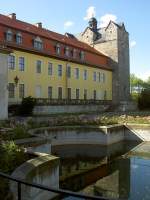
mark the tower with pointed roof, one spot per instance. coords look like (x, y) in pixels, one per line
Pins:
(113, 41)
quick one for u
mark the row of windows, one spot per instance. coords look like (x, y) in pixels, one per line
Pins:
(18, 37)
(97, 76)
(50, 92)
(38, 44)
(70, 52)
(77, 93)
(11, 63)
(11, 90)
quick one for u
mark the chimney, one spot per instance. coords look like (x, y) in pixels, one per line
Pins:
(12, 15)
(39, 24)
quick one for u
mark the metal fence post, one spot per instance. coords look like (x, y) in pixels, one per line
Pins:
(19, 191)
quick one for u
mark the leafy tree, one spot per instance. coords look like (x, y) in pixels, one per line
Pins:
(136, 82)
(144, 99)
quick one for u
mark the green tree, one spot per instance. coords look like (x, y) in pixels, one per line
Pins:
(135, 82)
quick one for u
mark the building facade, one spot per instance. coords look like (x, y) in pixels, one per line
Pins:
(93, 65)
(45, 64)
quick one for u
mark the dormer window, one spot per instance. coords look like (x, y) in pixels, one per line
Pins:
(18, 38)
(9, 35)
(58, 49)
(82, 55)
(38, 44)
(66, 51)
(74, 53)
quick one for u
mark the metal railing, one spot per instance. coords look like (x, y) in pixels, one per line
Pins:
(62, 192)
(48, 101)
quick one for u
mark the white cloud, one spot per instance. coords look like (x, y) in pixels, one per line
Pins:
(105, 19)
(68, 24)
(90, 12)
(132, 43)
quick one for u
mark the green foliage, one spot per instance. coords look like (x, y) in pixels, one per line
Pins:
(144, 100)
(12, 156)
(19, 132)
(138, 83)
(135, 96)
(135, 81)
(27, 106)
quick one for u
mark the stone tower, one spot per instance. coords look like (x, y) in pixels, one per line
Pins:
(113, 41)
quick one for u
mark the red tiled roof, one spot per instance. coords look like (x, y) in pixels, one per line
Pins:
(20, 25)
(33, 29)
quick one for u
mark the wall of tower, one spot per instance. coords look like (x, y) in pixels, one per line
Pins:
(88, 36)
(116, 46)
(110, 48)
(124, 65)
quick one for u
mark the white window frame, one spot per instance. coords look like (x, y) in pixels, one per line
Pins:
(77, 73)
(50, 68)
(38, 70)
(21, 64)
(11, 62)
(94, 76)
(85, 74)
(60, 70)
(21, 92)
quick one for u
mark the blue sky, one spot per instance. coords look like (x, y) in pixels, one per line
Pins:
(69, 16)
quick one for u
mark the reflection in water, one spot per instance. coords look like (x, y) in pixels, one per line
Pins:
(99, 170)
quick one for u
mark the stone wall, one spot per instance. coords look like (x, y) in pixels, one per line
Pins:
(45, 110)
(42, 170)
(116, 47)
(103, 135)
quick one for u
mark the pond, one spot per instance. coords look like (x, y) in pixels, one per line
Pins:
(121, 170)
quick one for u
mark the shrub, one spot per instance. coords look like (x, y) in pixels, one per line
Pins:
(27, 106)
(14, 109)
(144, 99)
(12, 156)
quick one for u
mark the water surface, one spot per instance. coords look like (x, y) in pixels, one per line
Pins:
(120, 170)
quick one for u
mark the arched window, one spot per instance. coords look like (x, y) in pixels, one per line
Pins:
(58, 48)
(9, 35)
(38, 44)
(18, 38)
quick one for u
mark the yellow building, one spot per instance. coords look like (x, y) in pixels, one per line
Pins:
(48, 65)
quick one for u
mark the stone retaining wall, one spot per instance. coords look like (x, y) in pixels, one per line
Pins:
(103, 135)
(54, 109)
(43, 170)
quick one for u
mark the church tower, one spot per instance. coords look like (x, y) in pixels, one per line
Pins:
(113, 41)
(93, 24)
